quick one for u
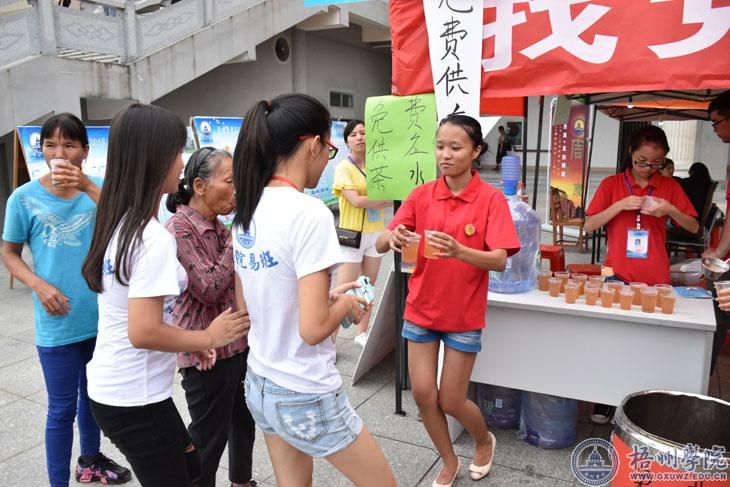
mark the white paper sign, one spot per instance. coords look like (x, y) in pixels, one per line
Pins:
(455, 46)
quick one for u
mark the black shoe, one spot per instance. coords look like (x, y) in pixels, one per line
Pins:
(101, 469)
(602, 413)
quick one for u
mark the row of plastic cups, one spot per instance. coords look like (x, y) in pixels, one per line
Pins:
(543, 280)
(660, 296)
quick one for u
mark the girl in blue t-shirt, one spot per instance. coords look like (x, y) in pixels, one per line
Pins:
(55, 214)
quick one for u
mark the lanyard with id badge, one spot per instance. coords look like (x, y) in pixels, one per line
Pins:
(373, 214)
(637, 240)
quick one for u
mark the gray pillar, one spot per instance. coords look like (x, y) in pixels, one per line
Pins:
(47, 25)
(130, 31)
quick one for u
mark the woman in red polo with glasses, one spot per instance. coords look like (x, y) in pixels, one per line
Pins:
(634, 206)
(469, 222)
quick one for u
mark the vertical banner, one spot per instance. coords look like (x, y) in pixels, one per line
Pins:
(455, 49)
(30, 142)
(401, 134)
(567, 154)
(218, 132)
(323, 191)
(95, 164)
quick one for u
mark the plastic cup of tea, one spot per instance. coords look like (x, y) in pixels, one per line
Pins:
(637, 286)
(409, 253)
(581, 279)
(607, 296)
(592, 291)
(662, 290)
(668, 302)
(429, 250)
(616, 286)
(56, 164)
(648, 299)
(597, 279)
(563, 276)
(572, 290)
(542, 280)
(626, 297)
(554, 284)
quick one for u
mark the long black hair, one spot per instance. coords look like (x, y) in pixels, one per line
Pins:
(69, 127)
(203, 163)
(144, 141)
(270, 134)
(471, 126)
(648, 134)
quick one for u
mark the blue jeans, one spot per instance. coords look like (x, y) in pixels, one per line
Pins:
(316, 424)
(64, 370)
(463, 341)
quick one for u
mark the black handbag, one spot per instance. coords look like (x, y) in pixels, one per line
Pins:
(351, 238)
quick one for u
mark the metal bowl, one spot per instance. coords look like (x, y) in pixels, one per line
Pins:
(713, 268)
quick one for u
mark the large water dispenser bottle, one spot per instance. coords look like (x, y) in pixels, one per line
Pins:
(520, 274)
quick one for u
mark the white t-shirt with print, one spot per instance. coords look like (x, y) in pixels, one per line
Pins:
(292, 235)
(120, 374)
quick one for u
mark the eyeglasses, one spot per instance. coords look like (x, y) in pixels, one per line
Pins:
(718, 122)
(332, 150)
(644, 165)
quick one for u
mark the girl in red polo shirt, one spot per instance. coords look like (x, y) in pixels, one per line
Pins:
(634, 205)
(470, 224)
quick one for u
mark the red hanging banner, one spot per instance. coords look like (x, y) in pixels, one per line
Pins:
(546, 47)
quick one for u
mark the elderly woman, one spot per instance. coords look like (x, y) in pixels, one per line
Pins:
(213, 388)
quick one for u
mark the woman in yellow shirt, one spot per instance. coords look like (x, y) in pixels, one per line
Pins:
(359, 213)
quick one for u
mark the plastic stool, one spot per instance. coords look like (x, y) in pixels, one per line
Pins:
(555, 254)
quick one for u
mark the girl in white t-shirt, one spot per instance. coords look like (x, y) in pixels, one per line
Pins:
(285, 249)
(132, 264)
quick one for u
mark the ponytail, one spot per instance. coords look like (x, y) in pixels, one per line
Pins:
(254, 162)
(180, 197)
(270, 134)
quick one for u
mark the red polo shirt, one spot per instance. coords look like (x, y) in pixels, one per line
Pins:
(655, 268)
(448, 294)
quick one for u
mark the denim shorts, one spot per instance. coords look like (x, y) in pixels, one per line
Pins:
(316, 424)
(463, 341)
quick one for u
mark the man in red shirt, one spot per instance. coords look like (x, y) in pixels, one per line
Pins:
(720, 116)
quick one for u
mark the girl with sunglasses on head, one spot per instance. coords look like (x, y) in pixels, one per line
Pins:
(634, 206)
(213, 388)
(469, 223)
(285, 249)
(132, 264)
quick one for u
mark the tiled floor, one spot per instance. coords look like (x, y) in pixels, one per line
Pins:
(403, 438)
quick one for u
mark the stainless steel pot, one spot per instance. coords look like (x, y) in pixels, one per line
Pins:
(713, 268)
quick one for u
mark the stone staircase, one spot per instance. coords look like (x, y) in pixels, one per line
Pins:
(51, 57)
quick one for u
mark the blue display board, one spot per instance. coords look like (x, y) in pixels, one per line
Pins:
(30, 142)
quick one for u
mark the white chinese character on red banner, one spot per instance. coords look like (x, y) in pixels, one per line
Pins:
(501, 30)
(715, 25)
(566, 31)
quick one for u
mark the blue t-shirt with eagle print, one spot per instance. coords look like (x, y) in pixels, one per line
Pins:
(58, 232)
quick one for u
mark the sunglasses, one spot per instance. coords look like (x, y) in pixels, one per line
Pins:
(332, 150)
